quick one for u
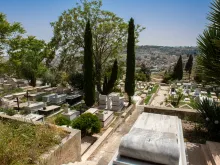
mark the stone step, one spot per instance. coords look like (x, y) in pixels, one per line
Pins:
(206, 154)
(214, 149)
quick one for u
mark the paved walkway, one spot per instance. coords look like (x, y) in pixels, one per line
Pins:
(104, 153)
(160, 97)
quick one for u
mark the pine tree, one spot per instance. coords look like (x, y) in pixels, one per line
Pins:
(189, 64)
(89, 78)
(130, 70)
(178, 69)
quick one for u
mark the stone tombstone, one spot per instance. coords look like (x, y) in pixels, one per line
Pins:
(66, 108)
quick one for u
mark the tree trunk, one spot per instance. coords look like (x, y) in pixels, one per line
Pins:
(33, 81)
(98, 76)
(130, 101)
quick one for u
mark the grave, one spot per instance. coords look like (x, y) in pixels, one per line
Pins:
(153, 139)
(91, 110)
(117, 102)
(34, 117)
(50, 90)
(7, 86)
(36, 96)
(41, 88)
(73, 99)
(103, 99)
(58, 99)
(34, 107)
(187, 100)
(21, 94)
(46, 111)
(48, 98)
(70, 115)
(105, 117)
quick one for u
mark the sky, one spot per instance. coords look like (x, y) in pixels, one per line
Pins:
(167, 22)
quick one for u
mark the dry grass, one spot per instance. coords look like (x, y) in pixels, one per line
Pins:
(23, 143)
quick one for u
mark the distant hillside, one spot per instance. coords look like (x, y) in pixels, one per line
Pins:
(148, 50)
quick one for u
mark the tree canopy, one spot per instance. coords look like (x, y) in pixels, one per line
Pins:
(26, 56)
(109, 34)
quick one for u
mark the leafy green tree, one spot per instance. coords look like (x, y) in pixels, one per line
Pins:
(109, 85)
(89, 76)
(130, 69)
(109, 35)
(26, 56)
(209, 47)
(87, 123)
(178, 69)
(189, 65)
(8, 31)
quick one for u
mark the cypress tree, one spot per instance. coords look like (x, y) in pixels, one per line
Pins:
(178, 69)
(89, 78)
(104, 88)
(130, 70)
(189, 64)
(109, 85)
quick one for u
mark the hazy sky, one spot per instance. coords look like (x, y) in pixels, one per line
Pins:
(167, 22)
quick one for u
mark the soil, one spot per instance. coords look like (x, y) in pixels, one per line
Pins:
(196, 133)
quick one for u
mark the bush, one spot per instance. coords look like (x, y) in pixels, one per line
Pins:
(210, 112)
(61, 120)
(140, 77)
(87, 123)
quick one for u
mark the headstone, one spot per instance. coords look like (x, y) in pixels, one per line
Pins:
(103, 101)
(105, 117)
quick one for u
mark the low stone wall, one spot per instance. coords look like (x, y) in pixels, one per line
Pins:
(189, 114)
(69, 150)
(128, 111)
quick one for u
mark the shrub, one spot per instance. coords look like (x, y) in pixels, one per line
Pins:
(210, 112)
(61, 120)
(10, 112)
(140, 77)
(87, 123)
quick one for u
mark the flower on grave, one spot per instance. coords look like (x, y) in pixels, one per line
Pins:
(207, 119)
(216, 122)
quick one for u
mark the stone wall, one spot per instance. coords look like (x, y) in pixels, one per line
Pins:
(189, 114)
(68, 151)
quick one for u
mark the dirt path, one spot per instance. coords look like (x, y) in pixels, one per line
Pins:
(104, 153)
(160, 97)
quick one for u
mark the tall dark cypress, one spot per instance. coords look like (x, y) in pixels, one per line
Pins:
(109, 85)
(130, 70)
(178, 69)
(89, 76)
(189, 64)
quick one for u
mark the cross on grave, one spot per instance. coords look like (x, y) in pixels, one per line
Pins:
(17, 100)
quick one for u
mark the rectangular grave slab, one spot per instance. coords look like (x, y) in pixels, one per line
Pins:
(71, 115)
(163, 140)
